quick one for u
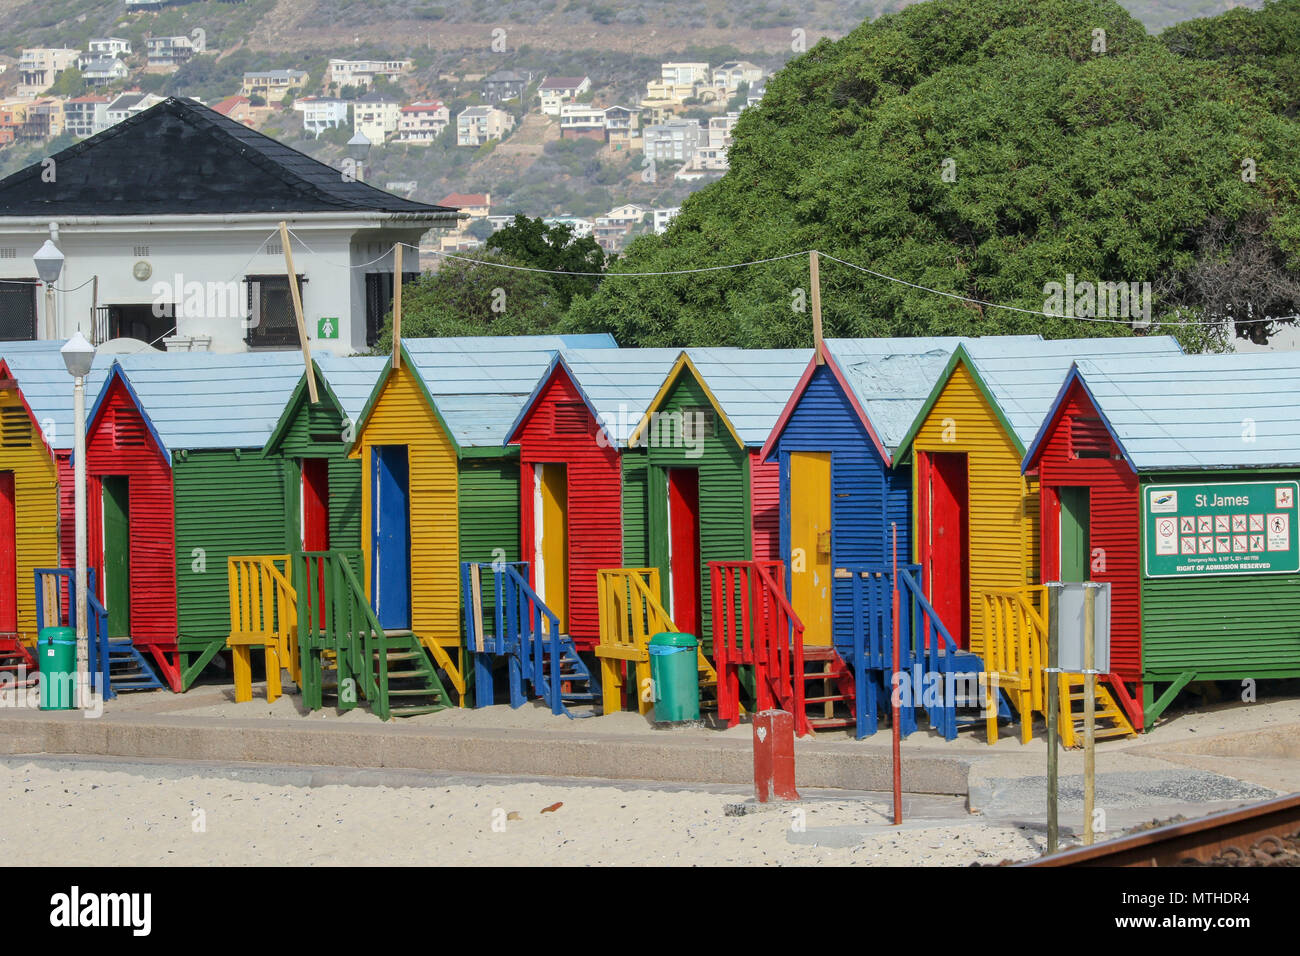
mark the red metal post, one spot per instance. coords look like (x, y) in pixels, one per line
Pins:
(895, 684)
(774, 756)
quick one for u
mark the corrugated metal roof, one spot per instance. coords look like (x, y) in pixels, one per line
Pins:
(201, 400)
(1024, 377)
(619, 385)
(892, 377)
(351, 379)
(1201, 411)
(47, 386)
(480, 384)
(751, 385)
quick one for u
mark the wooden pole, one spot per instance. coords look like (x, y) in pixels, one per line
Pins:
(303, 341)
(94, 310)
(397, 306)
(814, 272)
(1053, 662)
(896, 711)
(1089, 710)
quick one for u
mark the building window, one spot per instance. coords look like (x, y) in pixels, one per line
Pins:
(15, 427)
(18, 311)
(379, 301)
(272, 322)
(570, 418)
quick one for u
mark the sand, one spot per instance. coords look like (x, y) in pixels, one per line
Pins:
(91, 817)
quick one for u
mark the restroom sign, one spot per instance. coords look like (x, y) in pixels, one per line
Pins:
(327, 327)
(1244, 528)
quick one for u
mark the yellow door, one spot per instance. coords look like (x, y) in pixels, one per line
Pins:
(552, 544)
(810, 543)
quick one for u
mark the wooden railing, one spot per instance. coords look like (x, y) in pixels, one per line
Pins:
(335, 618)
(631, 614)
(754, 625)
(55, 592)
(263, 612)
(1015, 648)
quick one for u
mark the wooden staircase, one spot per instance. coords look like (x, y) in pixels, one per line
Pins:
(129, 670)
(524, 634)
(17, 661)
(829, 692)
(413, 685)
(631, 614)
(1111, 721)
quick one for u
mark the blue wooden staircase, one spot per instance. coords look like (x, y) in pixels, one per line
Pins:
(128, 669)
(939, 679)
(522, 635)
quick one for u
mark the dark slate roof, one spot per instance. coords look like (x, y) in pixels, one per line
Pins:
(180, 157)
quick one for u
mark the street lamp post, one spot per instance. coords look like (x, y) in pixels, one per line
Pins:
(49, 263)
(78, 355)
(358, 150)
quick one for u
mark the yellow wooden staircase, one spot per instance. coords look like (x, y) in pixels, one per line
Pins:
(630, 614)
(1111, 721)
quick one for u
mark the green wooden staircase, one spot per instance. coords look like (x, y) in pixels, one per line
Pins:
(346, 655)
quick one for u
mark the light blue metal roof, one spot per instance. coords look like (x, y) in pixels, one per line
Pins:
(892, 377)
(751, 385)
(480, 383)
(619, 385)
(1196, 412)
(47, 387)
(198, 400)
(1024, 376)
(351, 378)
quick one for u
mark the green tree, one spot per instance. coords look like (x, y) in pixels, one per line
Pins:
(473, 295)
(532, 242)
(984, 148)
(70, 82)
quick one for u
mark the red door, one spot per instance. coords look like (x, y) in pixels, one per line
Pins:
(316, 518)
(684, 547)
(945, 540)
(8, 555)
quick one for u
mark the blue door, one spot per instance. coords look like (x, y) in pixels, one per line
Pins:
(391, 561)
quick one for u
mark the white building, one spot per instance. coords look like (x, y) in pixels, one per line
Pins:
(273, 85)
(475, 125)
(166, 54)
(674, 141)
(108, 46)
(39, 67)
(580, 120)
(103, 71)
(421, 123)
(555, 91)
(581, 227)
(376, 117)
(128, 104)
(728, 77)
(85, 116)
(362, 73)
(180, 254)
(320, 113)
(662, 217)
(684, 74)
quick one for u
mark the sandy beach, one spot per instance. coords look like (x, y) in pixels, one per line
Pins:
(87, 817)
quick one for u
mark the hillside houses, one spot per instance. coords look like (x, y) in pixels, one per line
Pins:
(505, 85)
(272, 85)
(555, 91)
(376, 116)
(475, 125)
(419, 124)
(169, 54)
(320, 113)
(85, 115)
(362, 73)
(39, 68)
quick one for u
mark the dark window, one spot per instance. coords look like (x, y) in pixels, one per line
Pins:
(128, 429)
(1089, 438)
(570, 418)
(379, 300)
(272, 322)
(701, 415)
(18, 311)
(323, 424)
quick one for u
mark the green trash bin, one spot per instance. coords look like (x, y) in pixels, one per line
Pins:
(675, 673)
(56, 655)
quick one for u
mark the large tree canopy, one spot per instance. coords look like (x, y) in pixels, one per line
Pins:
(988, 148)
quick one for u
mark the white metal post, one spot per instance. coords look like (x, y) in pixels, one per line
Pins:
(79, 466)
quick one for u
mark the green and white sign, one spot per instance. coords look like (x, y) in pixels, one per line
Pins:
(1243, 528)
(327, 327)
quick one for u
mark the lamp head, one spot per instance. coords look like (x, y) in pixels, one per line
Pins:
(78, 355)
(49, 262)
(359, 146)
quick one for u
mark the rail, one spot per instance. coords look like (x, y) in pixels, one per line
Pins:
(335, 618)
(1015, 648)
(55, 591)
(263, 612)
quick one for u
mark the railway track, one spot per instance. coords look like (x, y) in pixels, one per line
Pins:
(1262, 828)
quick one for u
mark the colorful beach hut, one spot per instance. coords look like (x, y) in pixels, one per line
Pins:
(975, 515)
(1175, 480)
(36, 437)
(439, 485)
(701, 490)
(570, 436)
(177, 484)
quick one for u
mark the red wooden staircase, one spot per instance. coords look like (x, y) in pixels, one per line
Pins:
(830, 696)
